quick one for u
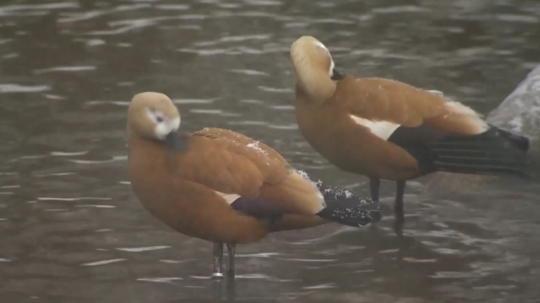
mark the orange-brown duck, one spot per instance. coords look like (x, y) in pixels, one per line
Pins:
(385, 129)
(224, 187)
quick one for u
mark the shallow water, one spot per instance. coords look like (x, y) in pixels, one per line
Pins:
(71, 229)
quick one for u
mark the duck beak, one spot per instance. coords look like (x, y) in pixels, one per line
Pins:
(174, 142)
(336, 75)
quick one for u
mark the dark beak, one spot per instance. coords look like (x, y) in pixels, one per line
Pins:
(174, 142)
(336, 75)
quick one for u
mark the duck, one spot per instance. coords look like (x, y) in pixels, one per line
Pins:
(386, 129)
(223, 187)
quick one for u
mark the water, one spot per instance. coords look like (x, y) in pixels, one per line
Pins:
(71, 229)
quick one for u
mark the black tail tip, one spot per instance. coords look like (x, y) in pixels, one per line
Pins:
(347, 208)
(520, 142)
(350, 216)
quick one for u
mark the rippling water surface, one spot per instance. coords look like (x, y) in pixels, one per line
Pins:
(71, 230)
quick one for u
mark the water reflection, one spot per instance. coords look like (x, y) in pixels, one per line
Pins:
(73, 231)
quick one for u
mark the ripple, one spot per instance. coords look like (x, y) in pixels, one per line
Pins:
(8, 173)
(413, 260)
(80, 17)
(160, 280)
(104, 262)
(54, 97)
(16, 88)
(399, 9)
(247, 122)
(103, 230)
(114, 159)
(10, 56)
(456, 275)
(517, 18)
(263, 2)
(175, 7)
(142, 249)
(49, 6)
(54, 174)
(283, 127)
(321, 286)
(495, 287)
(30, 157)
(333, 21)
(153, 21)
(4, 260)
(263, 277)
(201, 277)
(383, 54)
(251, 101)
(239, 50)
(135, 24)
(447, 251)
(249, 72)
(68, 154)
(119, 103)
(194, 101)
(275, 90)
(73, 17)
(10, 186)
(56, 209)
(176, 261)
(258, 255)
(233, 39)
(218, 112)
(389, 251)
(308, 260)
(95, 206)
(283, 107)
(73, 199)
(65, 69)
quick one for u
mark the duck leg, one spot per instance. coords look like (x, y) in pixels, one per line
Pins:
(231, 250)
(218, 260)
(398, 208)
(374, 184)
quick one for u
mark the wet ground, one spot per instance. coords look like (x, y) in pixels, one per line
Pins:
(71, 230)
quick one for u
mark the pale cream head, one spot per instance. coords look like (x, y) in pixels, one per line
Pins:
(152, 116)
(313, 67)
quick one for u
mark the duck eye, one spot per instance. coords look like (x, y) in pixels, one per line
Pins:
(159, 119)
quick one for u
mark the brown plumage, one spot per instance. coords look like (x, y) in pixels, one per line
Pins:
(221, 186)
(386, 129)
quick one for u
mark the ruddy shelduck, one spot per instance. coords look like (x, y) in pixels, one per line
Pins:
(385, 129)
(224, 187)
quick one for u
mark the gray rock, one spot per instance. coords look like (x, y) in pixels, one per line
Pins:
(520, 111)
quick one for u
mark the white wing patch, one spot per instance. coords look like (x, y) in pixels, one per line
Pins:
(381, 129)
(476, 119)
(230, 198)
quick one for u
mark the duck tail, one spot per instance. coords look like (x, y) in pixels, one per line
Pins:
(347, 208)
(493, 152)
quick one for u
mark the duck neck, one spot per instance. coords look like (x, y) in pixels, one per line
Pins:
(315, 84)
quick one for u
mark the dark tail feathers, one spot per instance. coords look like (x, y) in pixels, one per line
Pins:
(347, 208)
(494, 152)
